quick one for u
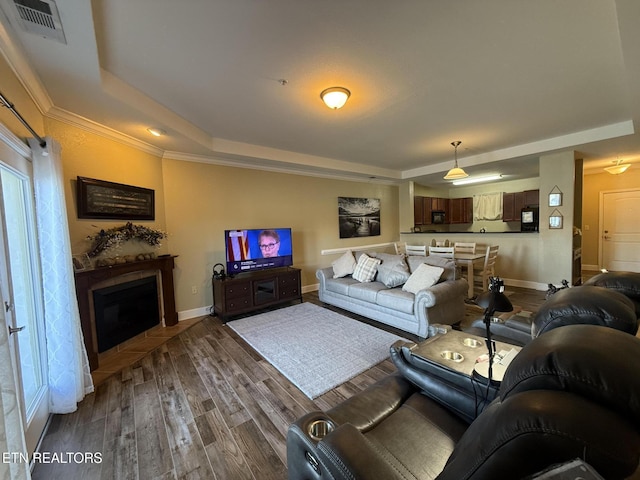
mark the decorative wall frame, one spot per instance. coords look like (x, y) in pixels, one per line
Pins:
(555, 197)
(114, 201)
(555, 219)
(358, 217)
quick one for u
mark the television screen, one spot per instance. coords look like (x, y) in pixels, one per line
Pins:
(255, 249)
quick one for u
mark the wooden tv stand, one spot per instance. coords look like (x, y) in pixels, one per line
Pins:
(252, 291)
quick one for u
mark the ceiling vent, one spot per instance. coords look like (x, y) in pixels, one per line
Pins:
(40, 17)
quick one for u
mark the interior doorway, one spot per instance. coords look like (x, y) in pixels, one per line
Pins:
(620, 230)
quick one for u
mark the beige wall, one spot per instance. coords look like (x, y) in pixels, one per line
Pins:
(86, 154)
(15, 93)
(203, 200)
(593, 185)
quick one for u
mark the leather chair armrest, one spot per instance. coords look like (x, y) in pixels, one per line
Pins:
(347, 454)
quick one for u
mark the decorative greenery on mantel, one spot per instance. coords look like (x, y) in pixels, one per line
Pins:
(116, 236)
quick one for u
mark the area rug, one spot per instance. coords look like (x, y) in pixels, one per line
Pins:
(315, 348)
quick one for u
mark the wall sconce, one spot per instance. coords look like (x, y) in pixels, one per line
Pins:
(335, 97)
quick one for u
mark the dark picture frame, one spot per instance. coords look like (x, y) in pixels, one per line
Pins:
(114, 201)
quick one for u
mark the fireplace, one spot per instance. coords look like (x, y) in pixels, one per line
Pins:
(100, 284)
(125, 310)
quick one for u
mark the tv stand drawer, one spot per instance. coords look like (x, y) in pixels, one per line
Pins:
(252, 291)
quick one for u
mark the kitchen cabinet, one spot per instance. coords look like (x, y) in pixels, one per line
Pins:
(513, 202)
(461, 210)
(422, 210)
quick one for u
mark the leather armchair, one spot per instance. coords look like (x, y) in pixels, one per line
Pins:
(627, 283)
(571, 393)
(588, 304)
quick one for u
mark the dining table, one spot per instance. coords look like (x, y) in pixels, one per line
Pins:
(468, 260)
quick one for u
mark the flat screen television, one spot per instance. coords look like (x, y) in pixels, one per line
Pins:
(257, 249)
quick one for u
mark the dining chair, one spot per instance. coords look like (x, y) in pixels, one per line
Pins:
(465, 247)
(481, 275)
(416, 250)
(442, 243)
(401, 247)
(446, 252)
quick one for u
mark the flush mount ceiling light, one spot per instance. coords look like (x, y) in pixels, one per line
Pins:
(156, 132)
(335, 97)
(469, 180)
(618, 168)
(456, 172)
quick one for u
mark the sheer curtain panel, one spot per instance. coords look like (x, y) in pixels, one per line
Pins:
(68, 367)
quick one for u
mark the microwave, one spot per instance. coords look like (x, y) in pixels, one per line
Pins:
(437, 216)
(529, 219)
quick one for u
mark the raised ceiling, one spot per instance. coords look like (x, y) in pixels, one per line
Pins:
(512, 80)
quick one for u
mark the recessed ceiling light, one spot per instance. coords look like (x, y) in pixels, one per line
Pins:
(156, 132)
(487, 178)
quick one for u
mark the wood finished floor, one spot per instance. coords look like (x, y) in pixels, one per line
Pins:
(203, 405)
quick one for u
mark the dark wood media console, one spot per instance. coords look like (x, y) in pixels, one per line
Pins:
(252, 291)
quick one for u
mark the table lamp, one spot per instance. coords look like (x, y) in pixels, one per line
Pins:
(494, 300)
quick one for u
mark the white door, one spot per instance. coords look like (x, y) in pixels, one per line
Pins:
(620, 230)
(22, 298)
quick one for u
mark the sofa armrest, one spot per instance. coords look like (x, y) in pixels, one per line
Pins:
(347, 454)
(441, 292)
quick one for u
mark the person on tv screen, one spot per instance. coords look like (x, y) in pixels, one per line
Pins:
(269, 243)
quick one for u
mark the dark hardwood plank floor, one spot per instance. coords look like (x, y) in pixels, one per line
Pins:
(203, 405)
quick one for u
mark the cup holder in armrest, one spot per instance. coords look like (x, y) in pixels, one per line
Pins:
(451, 355)
(471, 342)
(318, 429)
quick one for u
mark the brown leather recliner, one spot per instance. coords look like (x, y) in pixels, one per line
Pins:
(573, 392)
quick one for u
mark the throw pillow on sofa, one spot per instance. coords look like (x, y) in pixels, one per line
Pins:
(366, 268)
(393, 271)
(425, 276)
(344, 265)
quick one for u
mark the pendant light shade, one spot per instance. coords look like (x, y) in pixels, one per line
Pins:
(456, 172)
(618, 168)
(335, 97)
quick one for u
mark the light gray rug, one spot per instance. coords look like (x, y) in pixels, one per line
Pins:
(316, 348)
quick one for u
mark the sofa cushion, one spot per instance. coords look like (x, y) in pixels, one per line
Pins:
(433, 260)
(396, 299)
(344, 265)
(366, 268)
(393, 271)
(340, 285)
(425, 276)
(367, 291)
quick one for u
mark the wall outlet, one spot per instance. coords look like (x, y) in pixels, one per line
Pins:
(194, 289)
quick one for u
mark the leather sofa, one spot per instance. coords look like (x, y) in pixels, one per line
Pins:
(588, 304)
(573, 392)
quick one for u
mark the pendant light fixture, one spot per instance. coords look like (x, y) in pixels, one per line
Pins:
(618, 168)
(335, 97)
(456, 172)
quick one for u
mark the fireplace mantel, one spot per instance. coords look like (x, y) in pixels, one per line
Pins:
(85, 280)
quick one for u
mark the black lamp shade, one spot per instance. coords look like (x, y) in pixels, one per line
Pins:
(497, 300)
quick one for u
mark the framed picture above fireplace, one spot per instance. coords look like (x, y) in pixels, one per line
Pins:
(114, 201)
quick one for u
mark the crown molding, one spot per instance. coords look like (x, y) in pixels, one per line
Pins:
(83, 123)
(252, 164)
(14, 142)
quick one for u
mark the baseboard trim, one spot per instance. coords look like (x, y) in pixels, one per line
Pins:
(193, 313)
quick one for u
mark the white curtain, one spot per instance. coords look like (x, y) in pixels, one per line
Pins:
(487, 206)
(69, 375)
(11, 433)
